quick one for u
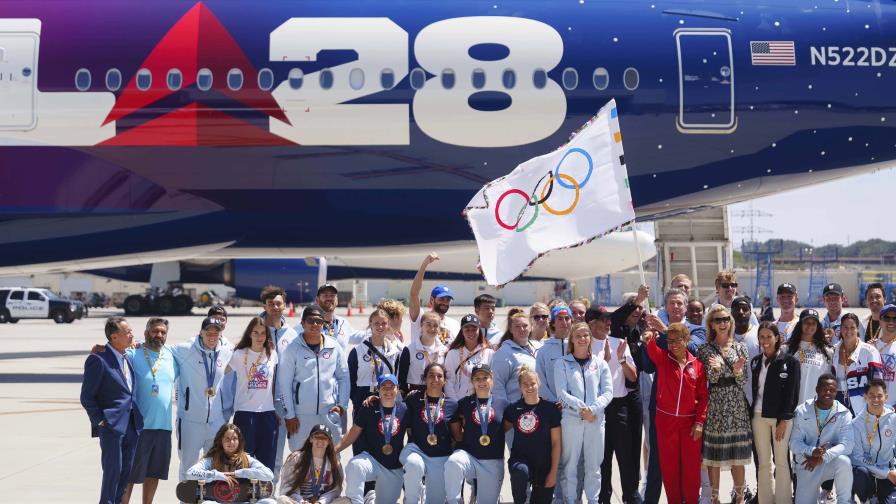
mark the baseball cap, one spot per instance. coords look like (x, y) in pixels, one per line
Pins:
(832, 288)
(887, 309)
(386, 378)
(597, 313)
(469, 320)
(440, 291)
(212, 321)
(809, 313)
(312, 311)
(325, 287)
(481, 368)
(742, 300)
(321, 428)
(559, 309)
(786, 287)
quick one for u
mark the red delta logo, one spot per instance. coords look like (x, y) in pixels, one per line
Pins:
(197, 42)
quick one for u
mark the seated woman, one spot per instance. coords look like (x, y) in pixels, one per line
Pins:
(227, 460)
(313, 474)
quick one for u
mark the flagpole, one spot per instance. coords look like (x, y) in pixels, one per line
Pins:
(640, 260)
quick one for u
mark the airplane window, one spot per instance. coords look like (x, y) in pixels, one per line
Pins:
(447, 78)
(570, 78)
(296, 76)
(539, 78)
(418, 78)
(387, 78)
(204, 79)
(82, 79)
(601, 78)
(631, 79)
(326, 78)
(356, 78)
(144, 79)
(34, 296)
(478, 78)
(509, 78)
(113, 79)
(265, 79)
(235, 79)
(175, 79)
(19, 295)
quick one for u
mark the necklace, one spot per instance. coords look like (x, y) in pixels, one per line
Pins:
(846, 356)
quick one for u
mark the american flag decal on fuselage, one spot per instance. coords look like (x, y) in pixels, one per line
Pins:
(773, 53)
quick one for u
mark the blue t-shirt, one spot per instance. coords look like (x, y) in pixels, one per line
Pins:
(473, 429)
(368, 418)
(420, 428)
(532, 424)
(155, 408)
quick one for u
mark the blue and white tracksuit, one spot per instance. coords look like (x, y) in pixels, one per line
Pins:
(341, 330)
(199, 416)
(309, 384)
(875, 459)
(578, 387)
(203, 471)
(506, 364)
(281, 337)
(551, 351)
(836, 435)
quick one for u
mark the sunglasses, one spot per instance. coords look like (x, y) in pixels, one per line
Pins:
(540, 317)
(315, 321)
(888, 319)
(721, 320)
(728, 285)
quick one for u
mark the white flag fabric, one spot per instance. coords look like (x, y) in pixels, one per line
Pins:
(561, 199)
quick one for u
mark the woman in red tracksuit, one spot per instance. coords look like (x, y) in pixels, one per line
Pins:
(681, 401)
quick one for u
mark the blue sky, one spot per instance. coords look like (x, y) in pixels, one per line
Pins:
(842, 212)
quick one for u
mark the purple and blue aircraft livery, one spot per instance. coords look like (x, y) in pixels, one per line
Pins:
(224, 128)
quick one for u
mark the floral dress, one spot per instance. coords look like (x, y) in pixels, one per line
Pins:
(727, 436)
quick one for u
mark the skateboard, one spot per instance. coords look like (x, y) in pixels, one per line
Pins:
(220, 491)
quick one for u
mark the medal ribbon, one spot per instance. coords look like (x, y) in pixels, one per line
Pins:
(869, 435)
(317, 477)
(483, 417)
(387, 427)
(251, 372)
(820, 425)
(430, 421)
(153, 368)
(209, 367)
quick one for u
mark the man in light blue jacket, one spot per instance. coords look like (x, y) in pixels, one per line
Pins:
(874, 447)
(200, 409)
(821, 443)
(585, 389)
(313, 381)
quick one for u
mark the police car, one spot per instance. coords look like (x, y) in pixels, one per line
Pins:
(26, 302)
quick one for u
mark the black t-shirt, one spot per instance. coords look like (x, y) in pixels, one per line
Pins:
(420, 429)
(532, 424)
(473, 429)
(369, 419)
(582, 362)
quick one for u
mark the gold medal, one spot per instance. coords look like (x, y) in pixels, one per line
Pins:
(210, 392)
(484, 440)
(387, 449)
(432, 439)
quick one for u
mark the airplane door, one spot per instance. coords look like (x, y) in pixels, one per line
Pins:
(705, 81)
(18, 80)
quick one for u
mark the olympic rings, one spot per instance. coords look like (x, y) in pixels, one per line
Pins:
(564, 180)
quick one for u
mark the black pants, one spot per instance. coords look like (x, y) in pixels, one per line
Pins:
(619, 439)
(526, 472)
(865, 486)
(654, 472)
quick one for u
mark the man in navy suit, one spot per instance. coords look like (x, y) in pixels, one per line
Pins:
(107, 393)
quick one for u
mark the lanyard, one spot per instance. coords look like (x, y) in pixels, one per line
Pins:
(317, 477)
(387, 427)
(251, 372)
(331, 329)
(153, 368)
(871, 336)
(484, 417)
(820, 425)
(209, 367)
(430, 421)
(869, 435)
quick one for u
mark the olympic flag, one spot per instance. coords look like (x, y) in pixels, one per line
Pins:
(559, 200)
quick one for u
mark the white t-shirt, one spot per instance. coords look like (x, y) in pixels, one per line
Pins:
(448, 329)
(786, 328)
(617, 376)
(813, 363)
(760, 390)
(254, 391)
(888, 362)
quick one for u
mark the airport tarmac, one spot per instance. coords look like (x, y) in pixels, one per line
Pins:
(50, 454)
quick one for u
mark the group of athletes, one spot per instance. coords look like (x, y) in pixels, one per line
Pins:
(563, 386)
